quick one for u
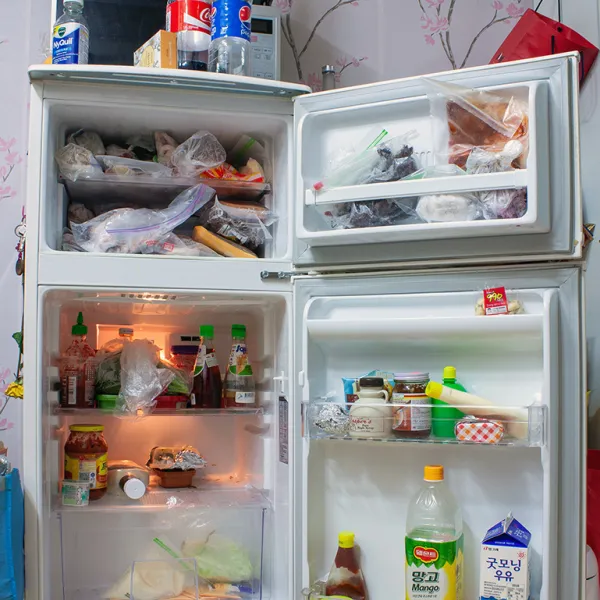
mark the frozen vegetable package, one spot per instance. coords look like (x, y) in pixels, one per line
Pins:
(134, 231)
(465, 118)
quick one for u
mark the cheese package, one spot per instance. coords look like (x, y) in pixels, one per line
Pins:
(479, 431)
(504, 567)
(160, 51)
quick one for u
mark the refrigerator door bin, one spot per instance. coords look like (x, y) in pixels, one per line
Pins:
(407, 220)
(174, 554)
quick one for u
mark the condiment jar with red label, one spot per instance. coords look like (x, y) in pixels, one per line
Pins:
(411, 406)
(370, 415)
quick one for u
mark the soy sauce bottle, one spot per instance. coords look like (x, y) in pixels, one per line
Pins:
(207, 388)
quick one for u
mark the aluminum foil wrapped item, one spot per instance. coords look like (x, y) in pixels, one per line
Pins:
(182, 459)
(332, 418)
(5, 467)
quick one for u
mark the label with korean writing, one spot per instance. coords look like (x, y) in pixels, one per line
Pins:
(495, 302)
(504, 573)
(434, 570)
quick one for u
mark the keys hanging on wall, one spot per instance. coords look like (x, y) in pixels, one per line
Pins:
(20, 232)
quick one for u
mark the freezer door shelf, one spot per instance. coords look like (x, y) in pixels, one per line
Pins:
(330, 122)
(515, 426)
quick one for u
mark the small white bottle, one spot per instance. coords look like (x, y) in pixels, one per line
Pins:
(71, 36)
(434, 541)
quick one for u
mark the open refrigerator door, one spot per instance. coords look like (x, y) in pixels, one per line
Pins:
(514, 444)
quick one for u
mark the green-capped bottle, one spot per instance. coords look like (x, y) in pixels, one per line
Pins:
(444, 417)
(239, 388)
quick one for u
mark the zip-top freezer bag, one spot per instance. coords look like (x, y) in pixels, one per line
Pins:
(465, 118)
(135, 230)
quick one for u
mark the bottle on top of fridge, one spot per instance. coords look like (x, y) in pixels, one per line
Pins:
(207, 388)
(444, 417)
(71, 35)
(78, 369)
(230, 49)
(190, 19)
(434, 541)
(345, 578)
(239, 379)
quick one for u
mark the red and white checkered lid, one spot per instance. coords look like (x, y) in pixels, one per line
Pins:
(480, 431)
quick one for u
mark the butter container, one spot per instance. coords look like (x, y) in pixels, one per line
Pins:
(160, 51)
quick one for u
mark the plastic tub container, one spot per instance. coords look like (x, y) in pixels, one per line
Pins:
(175, 478)
(106, 401)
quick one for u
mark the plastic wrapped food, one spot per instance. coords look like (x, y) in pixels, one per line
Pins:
(151, 580)
(378, 161)
(142, 146)
(481, 160)
(129, 167)
(251, 172)
(242, 222)
(219, 559)
(77, 162)
(114, 150)
(444, 208)
(78, 213)
(165, 146)
(141, 378)
(198, 153)
(133, 231)
(465, 119)
(168, 458)
(89, 140)
(376, 213)
(245, 149)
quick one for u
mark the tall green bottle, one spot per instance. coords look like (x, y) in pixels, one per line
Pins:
(444, 417)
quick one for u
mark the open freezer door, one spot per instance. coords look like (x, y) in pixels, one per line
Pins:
(449, 206)
(358, 471)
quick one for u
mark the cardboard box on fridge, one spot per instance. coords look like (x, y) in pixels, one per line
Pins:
(504, 567)
(160, 51)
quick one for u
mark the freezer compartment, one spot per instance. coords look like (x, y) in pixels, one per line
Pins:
(113, 555)
(419, 209)
(366, 485)
(377, 422)
(116, 119)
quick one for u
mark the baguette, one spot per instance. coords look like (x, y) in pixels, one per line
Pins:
(220, 244)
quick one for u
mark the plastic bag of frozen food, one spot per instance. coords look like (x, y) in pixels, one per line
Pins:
(115, 150)
(242, 222)
(200, 152)
(465, 118)
(141, 378)
(165, 146)
(131, 231)
(130, 167)
(142, 146)
(247, 147)
(68, 242)
(178, 245)
(252, 172)
(444, 208)
(376, 161)
(89, 140)
(79, 213)
(76, 162)
(375, 213)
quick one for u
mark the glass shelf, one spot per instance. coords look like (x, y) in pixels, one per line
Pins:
(489, 425)
(204, 496)
(160, 412)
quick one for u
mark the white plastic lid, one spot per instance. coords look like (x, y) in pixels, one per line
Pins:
(134, 488)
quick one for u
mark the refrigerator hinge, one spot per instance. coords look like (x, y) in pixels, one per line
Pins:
(283, 274)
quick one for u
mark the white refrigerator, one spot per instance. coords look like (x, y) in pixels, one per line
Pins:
(320, 304)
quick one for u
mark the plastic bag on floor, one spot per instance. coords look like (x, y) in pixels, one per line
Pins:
(76, 162)
(198, 153)
(465, 118)
(133, 231)
(242, 222)
(377, 161)
(141, 378)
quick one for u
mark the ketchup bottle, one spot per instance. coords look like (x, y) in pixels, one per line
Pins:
(345, 577)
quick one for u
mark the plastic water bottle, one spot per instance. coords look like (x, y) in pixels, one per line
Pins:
(229, 50)
(434, 541)
(190, 19)
(71, 36)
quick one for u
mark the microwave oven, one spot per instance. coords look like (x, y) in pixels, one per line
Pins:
(119, 27)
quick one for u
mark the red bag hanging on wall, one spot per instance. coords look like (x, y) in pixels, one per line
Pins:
(593, 500)
(536, 35)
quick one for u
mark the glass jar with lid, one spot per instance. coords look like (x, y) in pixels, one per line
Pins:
(411, 406)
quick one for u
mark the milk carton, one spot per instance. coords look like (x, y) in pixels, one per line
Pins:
(504, 567)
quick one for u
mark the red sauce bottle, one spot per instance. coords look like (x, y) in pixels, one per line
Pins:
(208, 386)
(345, 577)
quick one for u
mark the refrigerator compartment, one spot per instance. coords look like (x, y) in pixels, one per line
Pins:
(116, 119)
(324, 131)
(520, 426)
(230, 545)
(153, 192)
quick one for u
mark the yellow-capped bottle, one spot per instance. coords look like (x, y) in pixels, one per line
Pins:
(434, 541)
(346, 578)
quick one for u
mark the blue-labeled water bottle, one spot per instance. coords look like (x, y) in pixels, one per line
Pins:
(71, 35)
(229, 50)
